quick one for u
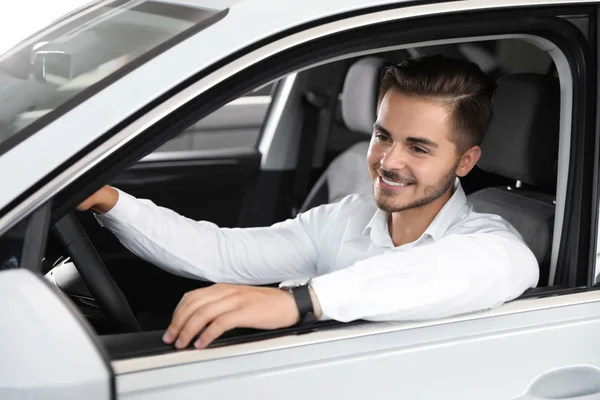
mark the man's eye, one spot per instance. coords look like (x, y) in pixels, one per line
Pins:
(419, 150)
(381, 137)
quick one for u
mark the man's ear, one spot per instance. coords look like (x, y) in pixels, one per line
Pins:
(468, 161)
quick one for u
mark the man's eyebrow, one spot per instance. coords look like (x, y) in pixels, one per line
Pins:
(414, 140)
(423, 141)
(377, 127)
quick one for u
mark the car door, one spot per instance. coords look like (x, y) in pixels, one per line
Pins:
(536, 349)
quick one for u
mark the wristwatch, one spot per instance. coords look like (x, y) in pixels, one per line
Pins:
(304, 303)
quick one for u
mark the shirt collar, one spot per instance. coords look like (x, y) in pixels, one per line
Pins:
(377, 227)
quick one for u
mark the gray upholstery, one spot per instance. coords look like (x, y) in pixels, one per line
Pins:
(522, 144)
(532, 214)
(522, 141)
(348, 173)
(359, 97)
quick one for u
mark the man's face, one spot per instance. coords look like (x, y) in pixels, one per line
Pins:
(411, 158)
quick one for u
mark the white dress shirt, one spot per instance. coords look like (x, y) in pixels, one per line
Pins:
(463, 262)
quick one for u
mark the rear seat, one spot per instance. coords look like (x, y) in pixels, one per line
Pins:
(348, 172)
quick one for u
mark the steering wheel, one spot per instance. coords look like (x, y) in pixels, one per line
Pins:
(107, 294)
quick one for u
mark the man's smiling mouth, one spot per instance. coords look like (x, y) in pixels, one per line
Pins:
(393, 179)
(392, 183)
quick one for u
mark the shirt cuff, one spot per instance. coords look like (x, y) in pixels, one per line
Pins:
(332, 291)
(125, 211)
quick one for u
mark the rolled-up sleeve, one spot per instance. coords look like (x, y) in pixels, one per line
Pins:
(202, 250)
(459, 273)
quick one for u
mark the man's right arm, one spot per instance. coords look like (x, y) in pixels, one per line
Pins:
(200, 249)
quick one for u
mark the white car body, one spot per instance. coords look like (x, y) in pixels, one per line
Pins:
(544, 347)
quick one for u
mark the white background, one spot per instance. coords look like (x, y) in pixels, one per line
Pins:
(23, 17)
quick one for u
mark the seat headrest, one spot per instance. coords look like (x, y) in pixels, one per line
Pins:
(359, 97)
(522, 140)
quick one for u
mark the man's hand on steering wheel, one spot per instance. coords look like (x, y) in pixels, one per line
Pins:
(100, 202)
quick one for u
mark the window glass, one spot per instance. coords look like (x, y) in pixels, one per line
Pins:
(70, 58)
(235, 125)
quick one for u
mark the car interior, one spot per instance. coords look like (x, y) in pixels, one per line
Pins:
(334, 107)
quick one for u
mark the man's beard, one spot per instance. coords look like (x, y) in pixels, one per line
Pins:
(433, 192)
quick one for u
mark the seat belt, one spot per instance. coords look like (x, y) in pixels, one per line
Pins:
(314, 107)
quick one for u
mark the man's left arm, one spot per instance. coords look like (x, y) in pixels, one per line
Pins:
(455, 275)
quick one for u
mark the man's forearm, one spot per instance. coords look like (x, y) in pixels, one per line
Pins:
(458, 274)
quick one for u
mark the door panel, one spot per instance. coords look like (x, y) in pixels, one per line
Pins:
(493, 355)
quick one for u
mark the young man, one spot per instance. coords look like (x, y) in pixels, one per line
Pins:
(413, 250)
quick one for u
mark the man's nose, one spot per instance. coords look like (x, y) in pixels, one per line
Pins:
(394, 158)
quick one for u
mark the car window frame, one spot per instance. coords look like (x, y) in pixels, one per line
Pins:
(36, 236)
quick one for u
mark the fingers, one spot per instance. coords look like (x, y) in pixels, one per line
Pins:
(86, 204)
(189, 305)
(205, 315)
(220, 325)
(219, 308)
(101, 201)
(207, 294)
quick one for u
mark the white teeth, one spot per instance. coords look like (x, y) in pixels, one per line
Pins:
(392, 183)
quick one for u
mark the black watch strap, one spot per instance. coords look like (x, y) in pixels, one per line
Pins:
(304, 303)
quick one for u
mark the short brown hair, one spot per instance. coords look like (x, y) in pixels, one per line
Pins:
(462, 85)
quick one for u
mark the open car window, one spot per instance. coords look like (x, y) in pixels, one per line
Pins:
(75, 55)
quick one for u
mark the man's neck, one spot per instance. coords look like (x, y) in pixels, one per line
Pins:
(408, 225)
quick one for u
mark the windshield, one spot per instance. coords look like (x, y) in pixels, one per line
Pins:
(78, 52)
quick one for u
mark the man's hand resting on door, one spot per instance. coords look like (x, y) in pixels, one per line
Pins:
(216, 309)
(100, 202)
